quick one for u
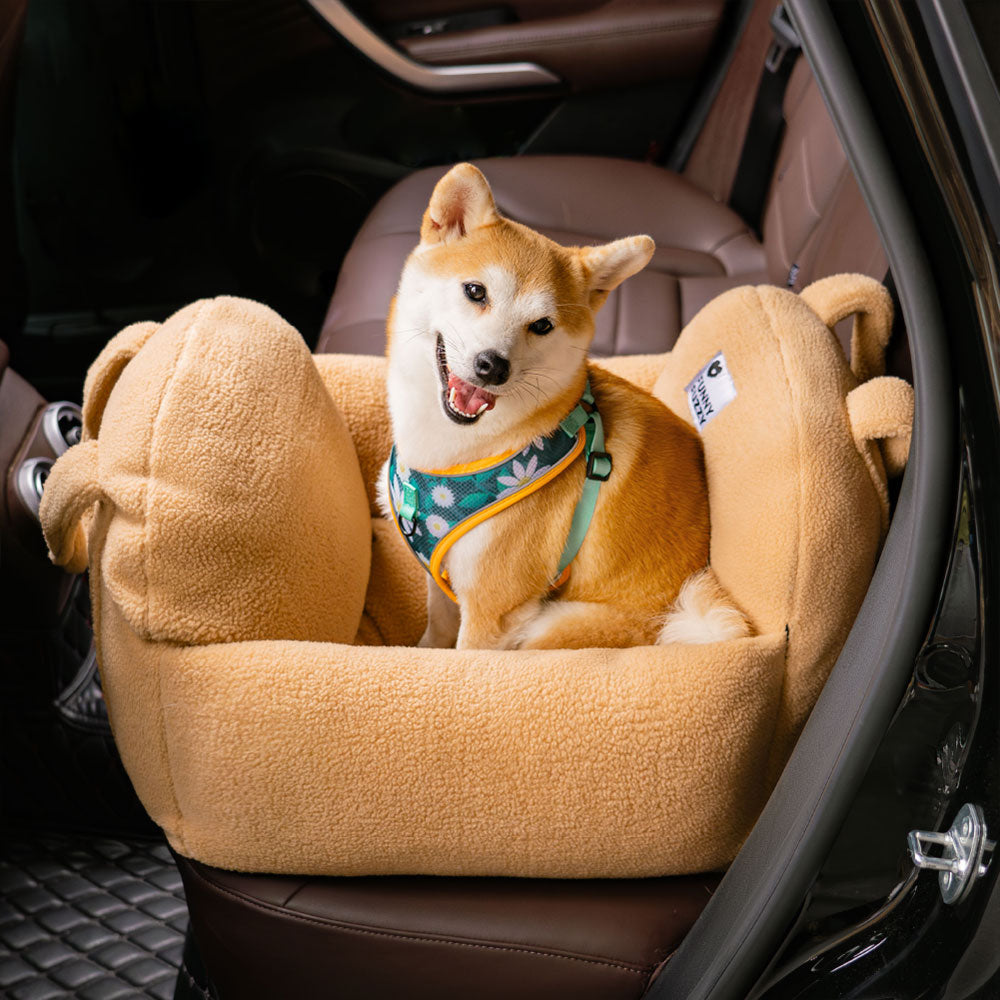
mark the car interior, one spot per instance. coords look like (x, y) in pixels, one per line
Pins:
(284, 150)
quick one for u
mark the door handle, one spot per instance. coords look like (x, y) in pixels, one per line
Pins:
(436, 79)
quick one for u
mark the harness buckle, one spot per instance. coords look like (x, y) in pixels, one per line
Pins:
(599, 466)
(408, 508)
(785, 39)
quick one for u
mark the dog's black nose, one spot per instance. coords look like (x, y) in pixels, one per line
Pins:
(492, 368)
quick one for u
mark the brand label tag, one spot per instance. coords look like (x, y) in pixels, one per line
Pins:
(710, 391)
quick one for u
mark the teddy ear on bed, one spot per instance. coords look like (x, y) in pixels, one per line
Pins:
(71, 489)
(841, 295)
(461, 202)
(104, 373)
(881, 409)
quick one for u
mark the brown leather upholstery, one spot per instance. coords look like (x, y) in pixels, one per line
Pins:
(815, 222)
(701, 245)
(385, 11)
(429, 938)
(716, 153)
(616, 43)
(815, 218)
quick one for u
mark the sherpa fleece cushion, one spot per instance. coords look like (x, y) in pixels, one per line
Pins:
(251, 613)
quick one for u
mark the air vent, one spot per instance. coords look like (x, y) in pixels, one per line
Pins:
(62, 424)
(30, 481)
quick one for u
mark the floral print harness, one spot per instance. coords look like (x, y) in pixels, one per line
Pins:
(434, 509)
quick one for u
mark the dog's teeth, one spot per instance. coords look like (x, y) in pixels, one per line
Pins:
(451, 398)
(481, 408)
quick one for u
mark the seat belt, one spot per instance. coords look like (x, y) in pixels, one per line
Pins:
(767, 123)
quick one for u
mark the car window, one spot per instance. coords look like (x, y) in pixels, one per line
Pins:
(985, 18)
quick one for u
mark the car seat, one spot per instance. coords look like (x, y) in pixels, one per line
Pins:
(432, 937)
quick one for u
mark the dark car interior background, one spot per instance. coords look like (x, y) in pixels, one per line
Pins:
(153, 152)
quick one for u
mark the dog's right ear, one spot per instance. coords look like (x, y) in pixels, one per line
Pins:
(462, 201)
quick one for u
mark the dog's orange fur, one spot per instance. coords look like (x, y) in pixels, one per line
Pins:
(649, 533)
(650, 529)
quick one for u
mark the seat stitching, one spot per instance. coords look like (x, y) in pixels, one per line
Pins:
(744, 230)
(637, 970)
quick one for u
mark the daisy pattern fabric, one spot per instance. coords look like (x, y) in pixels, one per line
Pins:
(433, 509)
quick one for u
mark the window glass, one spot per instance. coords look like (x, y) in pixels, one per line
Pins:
(985, 17)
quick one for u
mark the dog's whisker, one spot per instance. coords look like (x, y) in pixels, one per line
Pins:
(517, 391)
(537, 388)
(542, 373)
(457, 335)
(524, 388)
(536, 393)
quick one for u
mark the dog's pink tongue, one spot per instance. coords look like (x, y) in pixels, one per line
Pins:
(469, 398)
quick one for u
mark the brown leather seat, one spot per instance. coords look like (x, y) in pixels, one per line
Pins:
(815, 224)
(574, 200)
(263, 936)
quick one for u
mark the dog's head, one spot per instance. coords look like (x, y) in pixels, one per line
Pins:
(492, 317)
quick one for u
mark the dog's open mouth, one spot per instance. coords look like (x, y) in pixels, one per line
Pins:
(463, 402)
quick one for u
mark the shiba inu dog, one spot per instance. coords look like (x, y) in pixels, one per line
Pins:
(499, 473)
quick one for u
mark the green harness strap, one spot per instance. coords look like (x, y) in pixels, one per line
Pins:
(585, 414)
(417, 505)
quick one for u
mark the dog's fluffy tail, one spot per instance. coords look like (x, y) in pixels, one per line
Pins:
(703, 612)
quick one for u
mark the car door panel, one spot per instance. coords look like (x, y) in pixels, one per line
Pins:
(617, 43)
(588, 44)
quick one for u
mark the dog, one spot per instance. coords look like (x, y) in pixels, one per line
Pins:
(499, 474)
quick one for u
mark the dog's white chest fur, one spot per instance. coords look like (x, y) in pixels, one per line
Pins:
(465, 560)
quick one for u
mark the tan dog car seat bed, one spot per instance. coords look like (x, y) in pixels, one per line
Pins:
(252, 613)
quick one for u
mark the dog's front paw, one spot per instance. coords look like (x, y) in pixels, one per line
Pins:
(382, 491)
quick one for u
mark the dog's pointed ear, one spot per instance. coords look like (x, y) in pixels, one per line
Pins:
(462, 201)
(608, 265)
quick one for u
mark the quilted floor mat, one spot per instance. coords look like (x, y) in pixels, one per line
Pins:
(89, 918)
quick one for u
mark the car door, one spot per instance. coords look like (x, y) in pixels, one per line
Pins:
(583, 45)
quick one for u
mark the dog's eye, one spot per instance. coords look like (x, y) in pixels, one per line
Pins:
(475, 291)
(541, 326)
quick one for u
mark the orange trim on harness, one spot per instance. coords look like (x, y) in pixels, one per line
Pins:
(467, 468)
(442, 547)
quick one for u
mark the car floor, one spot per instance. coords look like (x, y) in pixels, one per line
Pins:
(89, 917)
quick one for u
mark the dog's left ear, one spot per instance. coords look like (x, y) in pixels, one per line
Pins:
(607, 266)
(462, 201)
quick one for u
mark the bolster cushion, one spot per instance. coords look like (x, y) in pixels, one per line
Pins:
(253, 621)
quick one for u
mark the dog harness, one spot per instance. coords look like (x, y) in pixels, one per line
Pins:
(433, 509)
